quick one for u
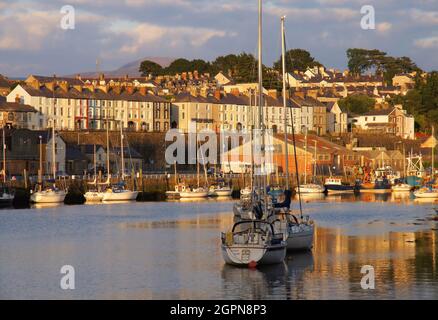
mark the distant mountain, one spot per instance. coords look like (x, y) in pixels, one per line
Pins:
(130, 69)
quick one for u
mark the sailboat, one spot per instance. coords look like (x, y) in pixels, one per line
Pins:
(310, 187)
(6, 196)
(252, 242)
(299, 230)
(196, 192)
(430, 190)
(119, 192)
(94, 195)
(51, 194)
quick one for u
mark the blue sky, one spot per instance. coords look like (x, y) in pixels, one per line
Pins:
(120, 31)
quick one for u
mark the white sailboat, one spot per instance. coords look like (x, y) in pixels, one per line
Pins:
(255, 242)
(197, 192)
(51, 194)
(310, 187)
(94, 195)
(119, 192)
(6, 196)
(299, 230)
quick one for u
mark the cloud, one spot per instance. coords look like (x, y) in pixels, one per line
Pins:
(314, 14)
(423, 17)
(383, 27)
(137, 37)
(427, 43)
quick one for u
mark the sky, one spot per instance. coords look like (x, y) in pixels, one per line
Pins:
(116, 32)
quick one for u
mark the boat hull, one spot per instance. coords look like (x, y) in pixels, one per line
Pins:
(47, 197)
(120, 196)
(401, 188)
(219, 193)
(193, 194)
(339, 189)
(261, 255)
(426, 195)
(311, 189)
(300, 240)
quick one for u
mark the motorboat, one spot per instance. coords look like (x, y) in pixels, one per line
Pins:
(119, 192)
(335, 185)
(219, 191)
(401, 187)
(253, 242)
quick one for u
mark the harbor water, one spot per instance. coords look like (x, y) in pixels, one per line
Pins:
(171, 250)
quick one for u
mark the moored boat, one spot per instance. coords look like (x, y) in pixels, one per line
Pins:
(401, 187)
(253, 242)
(310, 188)
(335, 185)
(426, 192)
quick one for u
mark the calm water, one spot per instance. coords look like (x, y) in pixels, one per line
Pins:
(171, 250)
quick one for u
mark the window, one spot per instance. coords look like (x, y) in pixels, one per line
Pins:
(157, 126)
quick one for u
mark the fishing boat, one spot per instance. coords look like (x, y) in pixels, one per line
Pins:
(6, 195)
(335, 185)
(380, 185)
(119, 191)
(253, 242)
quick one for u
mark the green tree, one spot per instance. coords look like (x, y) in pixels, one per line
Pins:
(297, 59)
(148, 67)
(357, 104)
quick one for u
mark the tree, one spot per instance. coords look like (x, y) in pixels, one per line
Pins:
(148, 67)
(357, 104)
(362, 60)
(297, 59)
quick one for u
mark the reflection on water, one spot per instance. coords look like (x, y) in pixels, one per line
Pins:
(171, 250)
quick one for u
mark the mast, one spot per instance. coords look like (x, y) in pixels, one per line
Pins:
(40, 174)
(107, 153)
(53, 133)
(433, 152)
(305, 159)
(121, 151)
(94, 160)
(314, 164)
(283, 61)
(4, 156)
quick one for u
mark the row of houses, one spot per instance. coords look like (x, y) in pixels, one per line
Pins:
(23, 154)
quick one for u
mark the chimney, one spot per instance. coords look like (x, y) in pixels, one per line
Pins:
(78, 77)
(126, 77)
(101, 77)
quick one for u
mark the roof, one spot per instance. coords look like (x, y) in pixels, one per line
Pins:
(46, 79)
(4, 82)
(380, 112)
(16, 107)
(74, 152)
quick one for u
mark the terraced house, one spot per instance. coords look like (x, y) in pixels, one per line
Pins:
(69, 104)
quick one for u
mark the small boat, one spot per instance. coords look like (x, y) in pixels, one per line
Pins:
(380, 185)
(253, 242)
(426, 192)
(335, 185)
(401, 187)
(310, 188)
(93, 196)
(6, 197)
(194, 193)
(49, 195)
(119, 193)
(220, 192)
